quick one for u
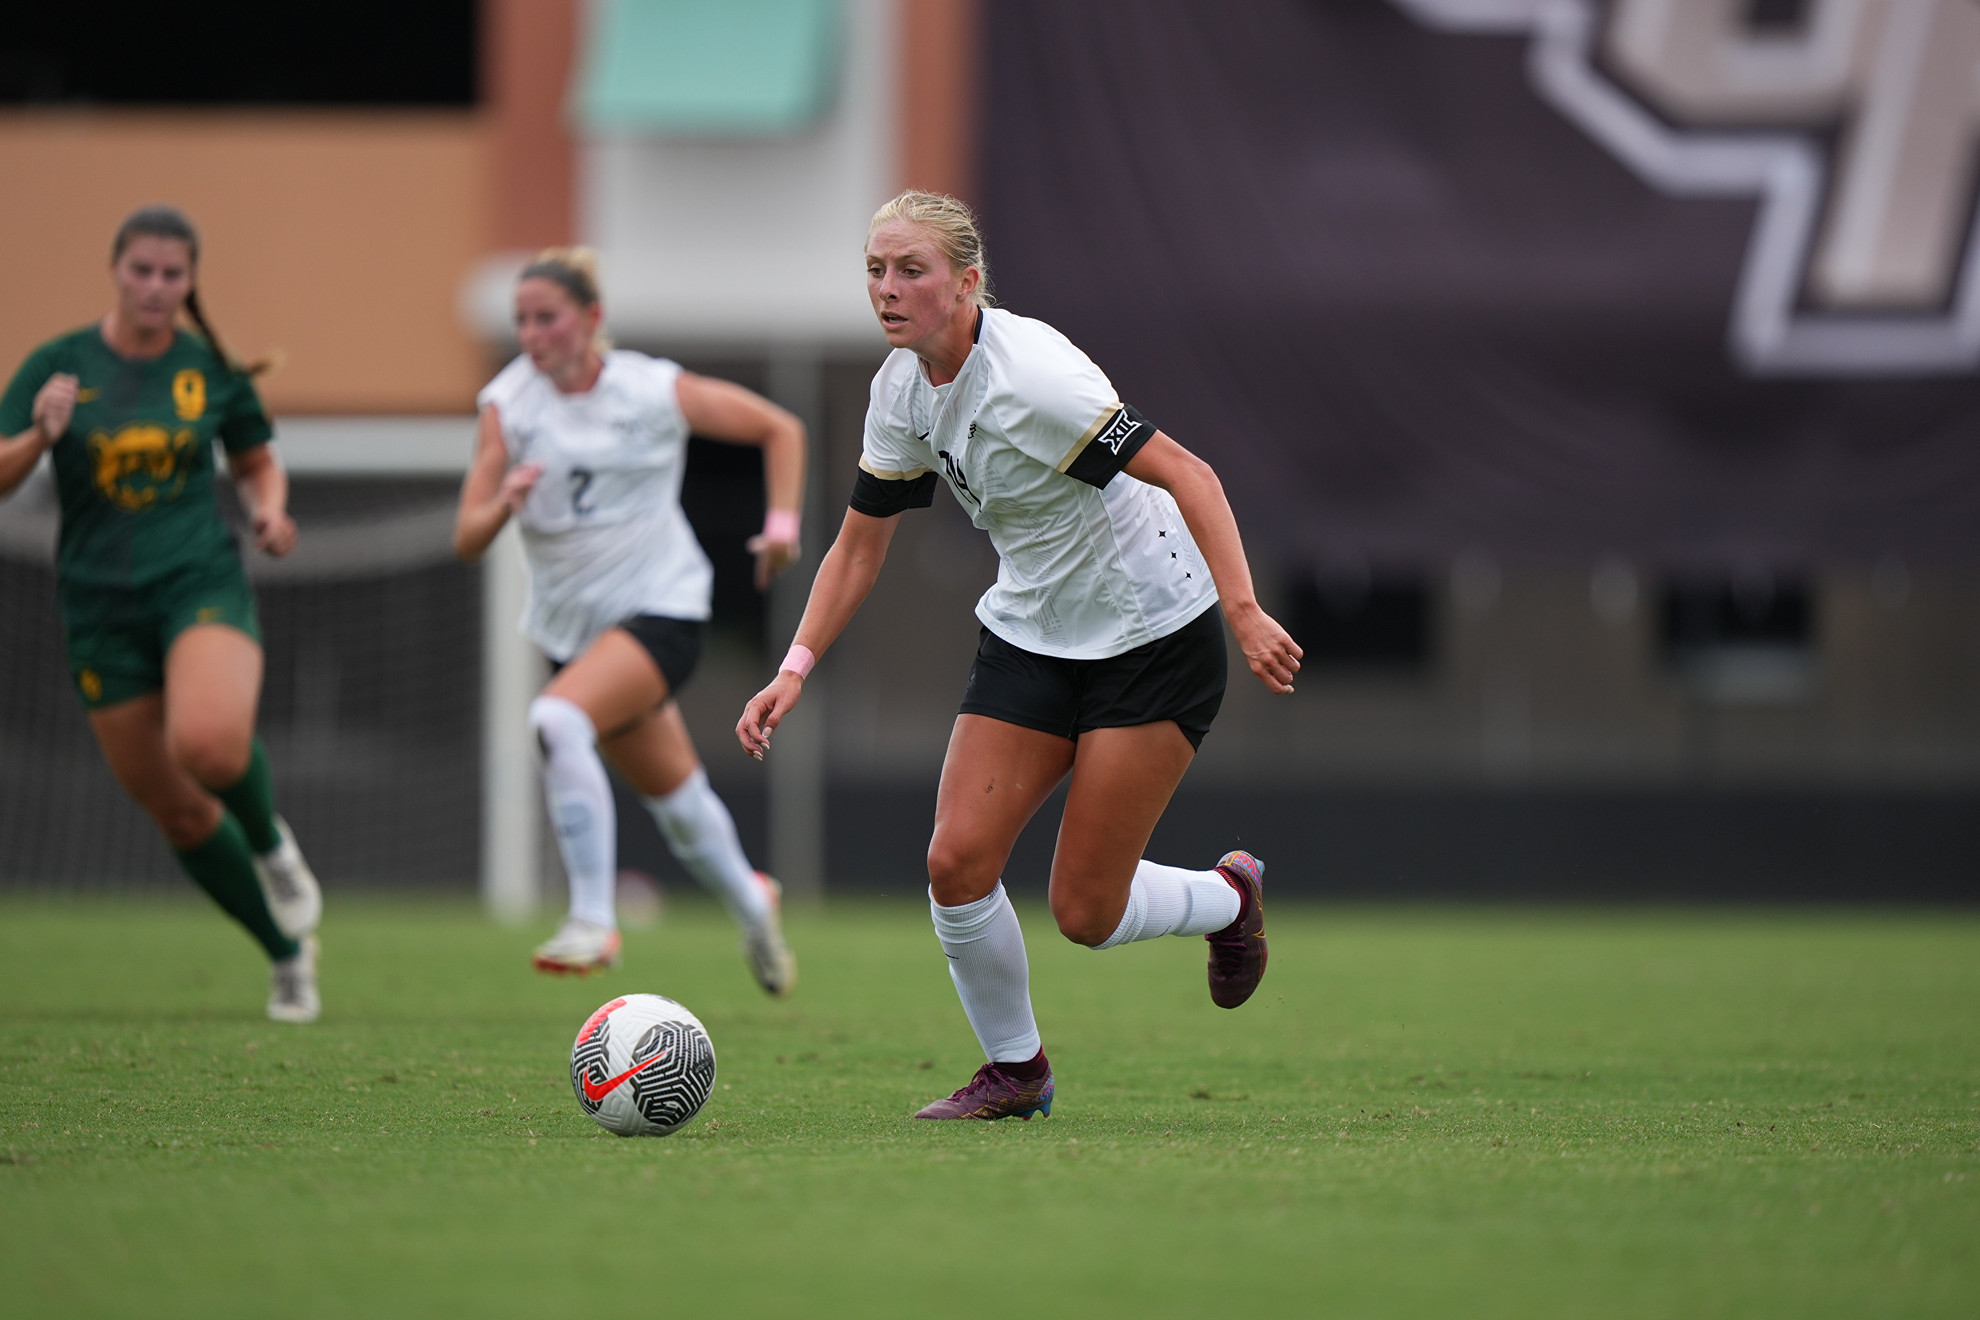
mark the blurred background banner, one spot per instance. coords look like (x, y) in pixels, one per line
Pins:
(1594, 381)
(1430, 276)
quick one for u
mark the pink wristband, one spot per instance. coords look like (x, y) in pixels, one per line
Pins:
(780, 525)
(798, 660)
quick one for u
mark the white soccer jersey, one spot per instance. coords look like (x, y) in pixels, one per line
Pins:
(603, 530)
(1030, 437)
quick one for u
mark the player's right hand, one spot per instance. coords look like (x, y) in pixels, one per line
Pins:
(55, 406)
(518, 483)
(1268, 649)
(766, 710)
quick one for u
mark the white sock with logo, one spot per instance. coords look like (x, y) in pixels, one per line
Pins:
(992, 975)
(580, 798)
(1167, 900)
(702, 834)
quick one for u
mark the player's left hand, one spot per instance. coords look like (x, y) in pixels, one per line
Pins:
(274, 533)
(1269, 649)
(766, 710)
(772, 557)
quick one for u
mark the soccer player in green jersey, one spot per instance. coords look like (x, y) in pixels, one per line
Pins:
(163, 640)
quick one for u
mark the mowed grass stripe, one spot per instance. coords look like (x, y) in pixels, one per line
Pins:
(1499, 1112)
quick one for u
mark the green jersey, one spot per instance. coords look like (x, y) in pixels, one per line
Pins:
(135, 467)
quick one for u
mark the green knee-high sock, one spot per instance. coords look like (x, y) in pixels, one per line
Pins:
(224, 868)
(252, 801)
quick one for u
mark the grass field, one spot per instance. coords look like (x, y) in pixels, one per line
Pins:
(1496, 1113)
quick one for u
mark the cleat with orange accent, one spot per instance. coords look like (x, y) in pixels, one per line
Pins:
(1237, 952)
(579, 948)
(993, 1094)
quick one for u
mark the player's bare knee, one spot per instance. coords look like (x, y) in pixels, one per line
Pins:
(1082, 922)
(185, 822)
(955, 877)
(214, 759)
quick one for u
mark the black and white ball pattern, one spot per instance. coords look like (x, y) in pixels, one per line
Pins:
(642, 1065)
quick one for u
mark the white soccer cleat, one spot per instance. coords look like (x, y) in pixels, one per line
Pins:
(294, 899)
(292, 985)
(771, 961)
(579, 948)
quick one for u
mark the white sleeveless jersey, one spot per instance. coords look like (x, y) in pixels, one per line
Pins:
(1030, 437)
(603, 531)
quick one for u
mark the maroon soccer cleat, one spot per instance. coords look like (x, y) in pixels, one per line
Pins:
(993, 1094)
(1237, 952)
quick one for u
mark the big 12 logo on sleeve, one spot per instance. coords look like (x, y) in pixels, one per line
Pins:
(1857, 122)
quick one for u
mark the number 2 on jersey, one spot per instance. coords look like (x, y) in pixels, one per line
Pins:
(580, 484)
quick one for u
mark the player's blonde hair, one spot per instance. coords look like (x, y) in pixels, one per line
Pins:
(575, 271)
(952, 225)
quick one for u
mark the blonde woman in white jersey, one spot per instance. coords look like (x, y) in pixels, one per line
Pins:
(585, 447)
(1101, 657)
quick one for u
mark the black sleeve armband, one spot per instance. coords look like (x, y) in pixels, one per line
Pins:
(1117, 438)
(879, 498)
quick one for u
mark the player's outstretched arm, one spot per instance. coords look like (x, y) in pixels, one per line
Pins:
(264, 486)
(721, 410)
(492, 490)
(848, 573)
(1268, 649)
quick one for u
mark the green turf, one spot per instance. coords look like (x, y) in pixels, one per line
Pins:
(1424, 1112)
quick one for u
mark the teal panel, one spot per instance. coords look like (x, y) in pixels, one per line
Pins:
(708, 66)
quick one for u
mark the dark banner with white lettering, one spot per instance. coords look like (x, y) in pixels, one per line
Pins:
(1690, 281)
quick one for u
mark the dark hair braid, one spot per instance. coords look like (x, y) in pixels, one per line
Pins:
(171, 222)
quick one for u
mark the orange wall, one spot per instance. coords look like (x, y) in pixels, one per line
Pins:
(343, 238)
(529, 49)
(339, 238)
(940, 41)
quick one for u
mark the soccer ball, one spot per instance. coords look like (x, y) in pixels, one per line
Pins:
(642, 1066)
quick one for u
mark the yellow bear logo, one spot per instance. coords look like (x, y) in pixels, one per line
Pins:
(142, 464)
(189, 394)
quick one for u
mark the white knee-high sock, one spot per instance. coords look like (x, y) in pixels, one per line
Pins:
(992, 975)
(1167, 900)
(580, 798)
(702, 834)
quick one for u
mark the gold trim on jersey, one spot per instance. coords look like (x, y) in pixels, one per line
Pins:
(886, 475)
(189, 394)
(1107, 414)
(87, 395)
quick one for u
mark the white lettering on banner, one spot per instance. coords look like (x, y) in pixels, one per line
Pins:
(1857, 123)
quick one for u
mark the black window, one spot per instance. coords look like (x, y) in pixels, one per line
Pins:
(239, 52)
(1355, 619)
(1740, 636)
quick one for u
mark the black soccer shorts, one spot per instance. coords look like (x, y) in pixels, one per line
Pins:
(1179, 677)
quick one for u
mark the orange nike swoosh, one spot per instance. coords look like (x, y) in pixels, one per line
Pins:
(596, 1091)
